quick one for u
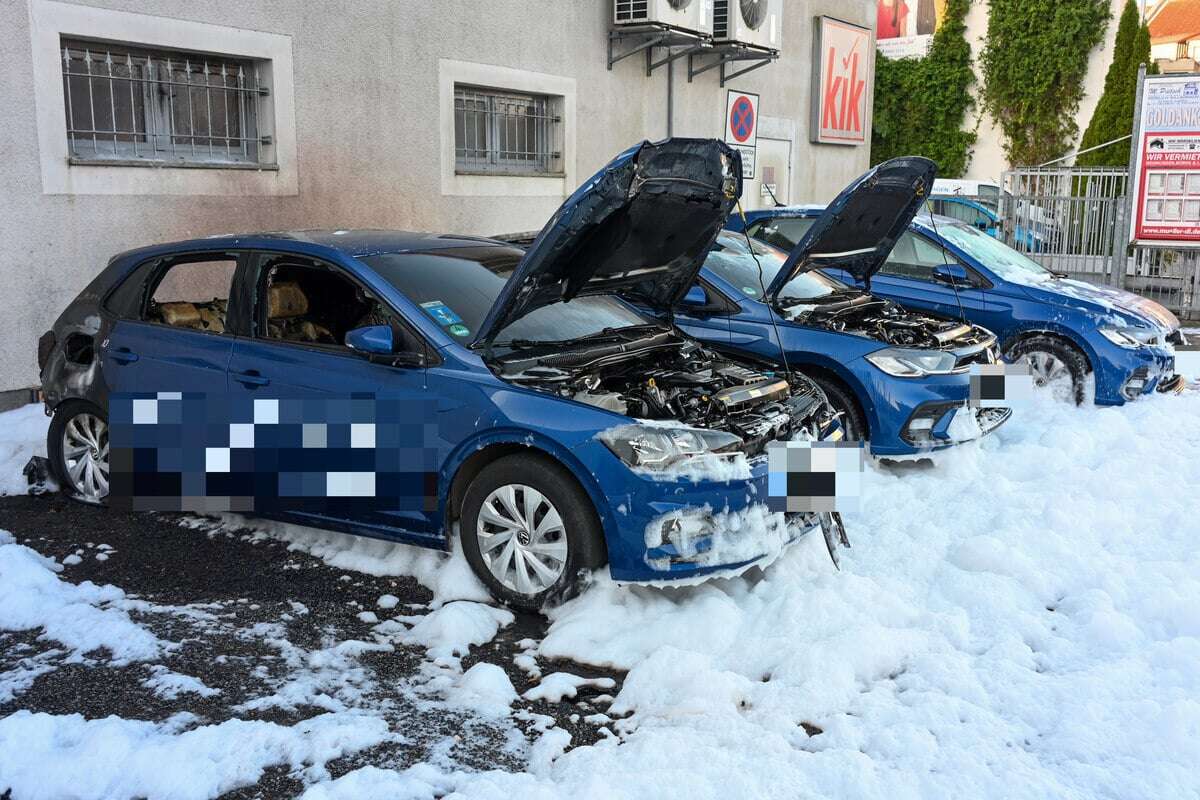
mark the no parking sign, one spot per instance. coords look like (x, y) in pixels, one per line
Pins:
(741, 127)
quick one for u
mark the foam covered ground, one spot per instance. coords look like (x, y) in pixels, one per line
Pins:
(1019, 620)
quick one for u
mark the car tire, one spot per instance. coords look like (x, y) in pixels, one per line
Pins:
(77, 446)
(854, 425)
(1055, 364)
(524, 568)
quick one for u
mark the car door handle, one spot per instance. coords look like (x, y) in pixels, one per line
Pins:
(123, 355)
(251, 378)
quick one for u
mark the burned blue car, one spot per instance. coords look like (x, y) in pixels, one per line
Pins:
(559, 428)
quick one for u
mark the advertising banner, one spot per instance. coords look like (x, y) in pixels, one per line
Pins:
(905, 28)
(1166, 190)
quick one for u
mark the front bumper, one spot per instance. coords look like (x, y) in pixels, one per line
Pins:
(1123, 374)
(916, 416)
(672, 530)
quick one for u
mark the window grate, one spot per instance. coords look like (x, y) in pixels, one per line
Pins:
(138, 106)
(499, 132)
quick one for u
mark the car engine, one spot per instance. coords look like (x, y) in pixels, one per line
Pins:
(668, 377)
(880, 319)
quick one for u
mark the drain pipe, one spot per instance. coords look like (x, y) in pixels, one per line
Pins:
(670, 96)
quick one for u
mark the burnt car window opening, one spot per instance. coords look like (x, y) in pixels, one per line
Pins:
(456, 288)
(193, 294)
(914, 257)
(731, 259)
(310, 303)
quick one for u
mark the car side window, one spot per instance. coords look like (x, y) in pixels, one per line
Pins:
(781, 232)
(193, 292)
(308, 302)
(914, 256)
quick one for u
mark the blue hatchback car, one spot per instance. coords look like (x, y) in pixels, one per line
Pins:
(898, 378)
(1069, 331)
(552, 425)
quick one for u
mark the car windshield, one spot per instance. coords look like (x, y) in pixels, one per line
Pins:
(731, 258)
(994, 254)
(457, 287)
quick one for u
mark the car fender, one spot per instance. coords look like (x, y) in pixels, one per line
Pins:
(537, 443)
(1024, 330)
(800, 359)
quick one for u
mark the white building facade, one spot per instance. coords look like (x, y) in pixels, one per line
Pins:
(130, 122)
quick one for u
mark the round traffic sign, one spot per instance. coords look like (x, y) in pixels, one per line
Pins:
(741, 119)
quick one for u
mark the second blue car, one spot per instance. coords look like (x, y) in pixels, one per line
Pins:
(899, 379)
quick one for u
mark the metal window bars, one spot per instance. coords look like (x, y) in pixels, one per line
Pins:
(498, 132)
(151, 107)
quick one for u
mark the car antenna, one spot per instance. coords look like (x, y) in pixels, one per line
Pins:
(766, 300)
(774, 199)
(962, 315)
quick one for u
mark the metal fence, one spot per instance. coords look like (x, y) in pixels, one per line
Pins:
(144, 106)
(1074, 220)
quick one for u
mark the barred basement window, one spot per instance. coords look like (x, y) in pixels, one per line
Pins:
(142, 107)
(507, 133)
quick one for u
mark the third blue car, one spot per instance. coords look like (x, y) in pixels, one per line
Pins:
(1078, 338)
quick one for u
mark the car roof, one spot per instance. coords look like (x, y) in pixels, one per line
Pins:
(813, 209)
(349, 242)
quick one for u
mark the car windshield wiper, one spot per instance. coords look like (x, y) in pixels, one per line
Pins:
(604, 335)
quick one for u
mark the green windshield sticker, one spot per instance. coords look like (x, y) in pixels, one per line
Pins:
(442, 314)
(460, 330)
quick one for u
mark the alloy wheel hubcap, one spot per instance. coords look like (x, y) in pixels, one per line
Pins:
(85, 456)
(1050, 372)
(522, 539)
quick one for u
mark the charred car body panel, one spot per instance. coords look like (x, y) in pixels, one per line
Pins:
(556, 398)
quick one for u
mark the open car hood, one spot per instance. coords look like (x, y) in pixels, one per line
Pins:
(640, 227)
(860, 227)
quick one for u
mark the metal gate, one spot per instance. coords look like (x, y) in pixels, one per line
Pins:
(1074, 220)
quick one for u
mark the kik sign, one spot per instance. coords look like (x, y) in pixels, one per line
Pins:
(843, 74)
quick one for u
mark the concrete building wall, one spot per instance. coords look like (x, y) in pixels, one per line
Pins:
(369, 133)
(988, 161)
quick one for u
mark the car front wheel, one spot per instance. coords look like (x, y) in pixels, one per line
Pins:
(528, 530)
(843, 402)
(1057, 368)
(77, 444)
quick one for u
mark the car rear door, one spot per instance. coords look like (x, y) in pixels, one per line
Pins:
(343, 432)
(174, 339)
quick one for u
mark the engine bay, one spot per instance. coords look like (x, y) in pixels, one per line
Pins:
(665, 376)
(876, 318)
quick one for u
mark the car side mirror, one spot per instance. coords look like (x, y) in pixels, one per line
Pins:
(372, 339)
(378, 344)
(696, 297)
(952, 275)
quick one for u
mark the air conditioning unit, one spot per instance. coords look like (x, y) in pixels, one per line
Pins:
(758, 23)
(695, 16)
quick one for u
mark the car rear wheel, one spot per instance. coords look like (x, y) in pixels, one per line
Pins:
(528, 530)
(1057, 368)
(853, 424)
(77, 444)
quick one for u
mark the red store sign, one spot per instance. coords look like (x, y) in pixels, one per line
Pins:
(843, 78)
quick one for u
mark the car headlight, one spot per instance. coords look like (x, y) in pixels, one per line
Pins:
(650, 447)
(905, 363)
(1131, 338)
